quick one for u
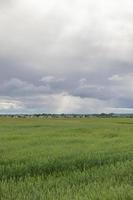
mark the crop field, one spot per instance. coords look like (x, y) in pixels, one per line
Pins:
(66, 159)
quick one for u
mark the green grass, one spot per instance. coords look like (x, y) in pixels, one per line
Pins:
(66, 159)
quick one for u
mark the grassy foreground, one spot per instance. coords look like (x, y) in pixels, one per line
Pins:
(66, 159)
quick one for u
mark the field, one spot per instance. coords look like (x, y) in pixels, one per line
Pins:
(66, 159)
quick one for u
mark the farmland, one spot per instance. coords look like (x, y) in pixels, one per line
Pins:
(66, 159)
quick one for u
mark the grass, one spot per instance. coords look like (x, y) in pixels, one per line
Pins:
(66, 159)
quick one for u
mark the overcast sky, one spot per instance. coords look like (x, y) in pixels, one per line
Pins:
(66, 56)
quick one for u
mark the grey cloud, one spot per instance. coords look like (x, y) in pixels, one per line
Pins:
(18, 88)
(48, 47)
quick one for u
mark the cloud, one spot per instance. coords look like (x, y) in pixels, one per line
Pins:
(59, 103)
(54, 103)
(18, 88)
(7, 105)
(115, 77)
(123, 85)
(51, 79)
(72, 52)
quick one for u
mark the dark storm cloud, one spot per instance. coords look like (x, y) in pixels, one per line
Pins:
(66, 56)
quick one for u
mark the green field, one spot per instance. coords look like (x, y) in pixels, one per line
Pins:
(66, 159)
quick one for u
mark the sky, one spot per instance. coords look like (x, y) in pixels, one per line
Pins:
(66, 56)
